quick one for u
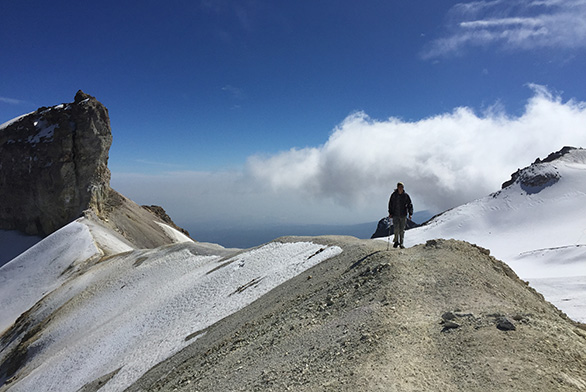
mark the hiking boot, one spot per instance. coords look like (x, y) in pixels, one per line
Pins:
(395, 244)
(401, 246)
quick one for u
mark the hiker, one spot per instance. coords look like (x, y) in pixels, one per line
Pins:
(399, 206)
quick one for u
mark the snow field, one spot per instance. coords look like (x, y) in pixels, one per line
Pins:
(136, 309)
(177, 236)
(39, 270)
(541, 236)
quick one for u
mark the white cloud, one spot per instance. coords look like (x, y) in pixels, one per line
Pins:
(444, 160)
(11, 101)
(513, 24)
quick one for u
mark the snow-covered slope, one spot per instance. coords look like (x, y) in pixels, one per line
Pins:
(41, 269)
(537, 225)
(126, 312)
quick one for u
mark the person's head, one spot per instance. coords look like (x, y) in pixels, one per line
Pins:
(400, 187)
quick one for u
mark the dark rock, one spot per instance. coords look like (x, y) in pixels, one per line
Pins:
(558, 154)
(54, 169)
(514, 177)
(385, 227)
(448, 316)
(53, 165)
(162, 214)
(432, 243)
(504, 324)
(533, 182)
(448, 325)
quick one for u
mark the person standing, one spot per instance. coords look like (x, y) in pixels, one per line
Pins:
(399, 206)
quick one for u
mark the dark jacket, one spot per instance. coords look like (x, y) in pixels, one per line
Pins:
(400, 204)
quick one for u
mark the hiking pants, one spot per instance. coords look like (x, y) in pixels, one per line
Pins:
(399, 222)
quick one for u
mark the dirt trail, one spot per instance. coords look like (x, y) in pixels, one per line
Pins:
(432, 317)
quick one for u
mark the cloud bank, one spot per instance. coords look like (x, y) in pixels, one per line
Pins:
(444, 161)
(513, 24)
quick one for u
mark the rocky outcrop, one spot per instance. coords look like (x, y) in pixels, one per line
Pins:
(54, 169)
(162, 214)
(385, 227)
(534, 178)
(54, 165)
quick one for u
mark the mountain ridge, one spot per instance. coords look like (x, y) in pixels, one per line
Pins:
(371, 319)
(119, 299)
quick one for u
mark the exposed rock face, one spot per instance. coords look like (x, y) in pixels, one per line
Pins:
(536, 177)
(54, 169)
(53, 165)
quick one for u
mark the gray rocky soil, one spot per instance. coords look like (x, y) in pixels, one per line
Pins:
(444, 316)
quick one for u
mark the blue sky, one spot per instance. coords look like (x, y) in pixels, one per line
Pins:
(306, 111)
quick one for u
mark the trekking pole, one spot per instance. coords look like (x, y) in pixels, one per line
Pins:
(389, 243)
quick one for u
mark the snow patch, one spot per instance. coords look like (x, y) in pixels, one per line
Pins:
(569, 291)
(108, 241)
(133, 310)
(45, 133)
(174, 234)
(10, 122)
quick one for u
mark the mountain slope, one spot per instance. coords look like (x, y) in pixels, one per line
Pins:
(536, 224)
(370, 319)
(122, 311)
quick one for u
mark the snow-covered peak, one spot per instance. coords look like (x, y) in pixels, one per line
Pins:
(544, 173)
(536, 224)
